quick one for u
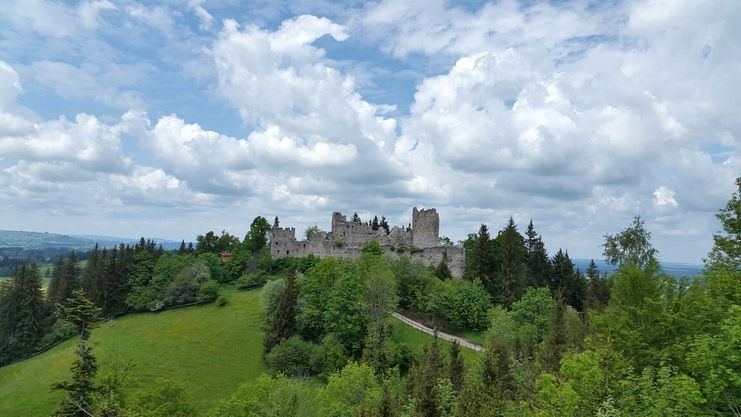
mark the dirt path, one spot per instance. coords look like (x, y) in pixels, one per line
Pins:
(441, 335)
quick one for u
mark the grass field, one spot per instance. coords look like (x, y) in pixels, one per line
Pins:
(210, 349)
(416, 339)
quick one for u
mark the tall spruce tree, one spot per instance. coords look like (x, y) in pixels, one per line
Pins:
(510, 255)
(64, 280)
(80, 391)
(356, 218)
(374, 224)
(22, 315)
(538, 268)
(456, 367)
(282, 324)
(429, 368)
(555, 342)
(479, 261)
(385, 225)
(182, 250)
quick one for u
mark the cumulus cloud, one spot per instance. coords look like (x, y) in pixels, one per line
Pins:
(665, 197)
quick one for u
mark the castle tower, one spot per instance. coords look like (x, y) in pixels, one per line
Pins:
(425, 228)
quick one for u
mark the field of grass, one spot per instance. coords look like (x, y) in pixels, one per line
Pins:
(212, 350)
(416, 339)
(209, 349)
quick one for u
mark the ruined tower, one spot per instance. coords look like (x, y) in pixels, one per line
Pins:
(425, 228)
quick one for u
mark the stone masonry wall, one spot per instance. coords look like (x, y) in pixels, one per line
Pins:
(347, 238)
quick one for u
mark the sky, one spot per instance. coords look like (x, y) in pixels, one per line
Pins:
(171, 119)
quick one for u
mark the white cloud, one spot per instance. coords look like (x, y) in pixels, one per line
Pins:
(665, 197)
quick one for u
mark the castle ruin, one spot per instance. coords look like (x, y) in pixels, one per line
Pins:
(347, 238)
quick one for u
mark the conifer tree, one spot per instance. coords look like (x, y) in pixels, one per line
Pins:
(479, 261)
(456, 367)
(429, 368)
(80, 391)
(282, 324)
(726, 250)
(356, 218)
(555, 341)
(182, 250)
(385, 225)
(442, 270)
(374, 224)
(22, 314)
(65, 279)
(510, 257)
(191, 250)
(538, 268)
(276, 222)
(496, 371)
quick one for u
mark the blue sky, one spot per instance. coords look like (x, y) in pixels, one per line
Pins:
(174, 118)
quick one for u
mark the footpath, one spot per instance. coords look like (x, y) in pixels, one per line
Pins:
(441, 335)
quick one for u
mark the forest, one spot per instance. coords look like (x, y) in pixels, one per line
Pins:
(557, 341)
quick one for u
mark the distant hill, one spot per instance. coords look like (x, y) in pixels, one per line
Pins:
(677, 269)
(43, 240)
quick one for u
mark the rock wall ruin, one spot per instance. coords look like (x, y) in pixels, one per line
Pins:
(347, 238)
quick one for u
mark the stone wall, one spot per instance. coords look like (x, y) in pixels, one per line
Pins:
(347, 238)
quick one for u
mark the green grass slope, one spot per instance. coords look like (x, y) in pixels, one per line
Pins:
(210, 349)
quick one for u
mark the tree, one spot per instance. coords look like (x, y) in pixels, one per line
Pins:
(207, 243)
(385, 225)
(22, 314)
(479, 261)
(65, 279)
(556, 340)
(182, 250)
(276, 222)
(456, 367)
(598, 288)
(441, 270)
(374, 224)
(78, 401)
(258, 236)
(727, 244)
(356, 218)
(631, 246)
(310, 231)
(510, 255)
(429, 368)
(538, 266)
(282, 324)
(164, 398)
(354, 391)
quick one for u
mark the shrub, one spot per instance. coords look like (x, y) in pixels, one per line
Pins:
(338, 244)
(329, 357)
(253, 280)
(185, 287)
(208, 291)
(291, 357)
(221, 301)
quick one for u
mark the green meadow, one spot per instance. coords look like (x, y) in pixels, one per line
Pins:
(210, 349)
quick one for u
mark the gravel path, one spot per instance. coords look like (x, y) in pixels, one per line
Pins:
(441, 335)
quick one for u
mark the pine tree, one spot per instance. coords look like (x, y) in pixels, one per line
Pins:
(385, 225)
(496, 371)
(563, 269)
(538, 268)
(479, 261)
(182, 249)
(22, 315)
(555, 341)
(456, 367)
(598, 288)
(283, 323)
(356, 218)
(374, 224)
(510, 257)
(191, 250)
(65, 279)
(276, 222)
(425, 375)
(442, 270)
(78, 401)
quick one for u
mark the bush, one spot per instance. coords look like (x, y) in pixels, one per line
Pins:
(185, 288)
(221, 301)
(291, 357)
(253, 280)
(208, 291)
(463, 304)
(329, 357)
